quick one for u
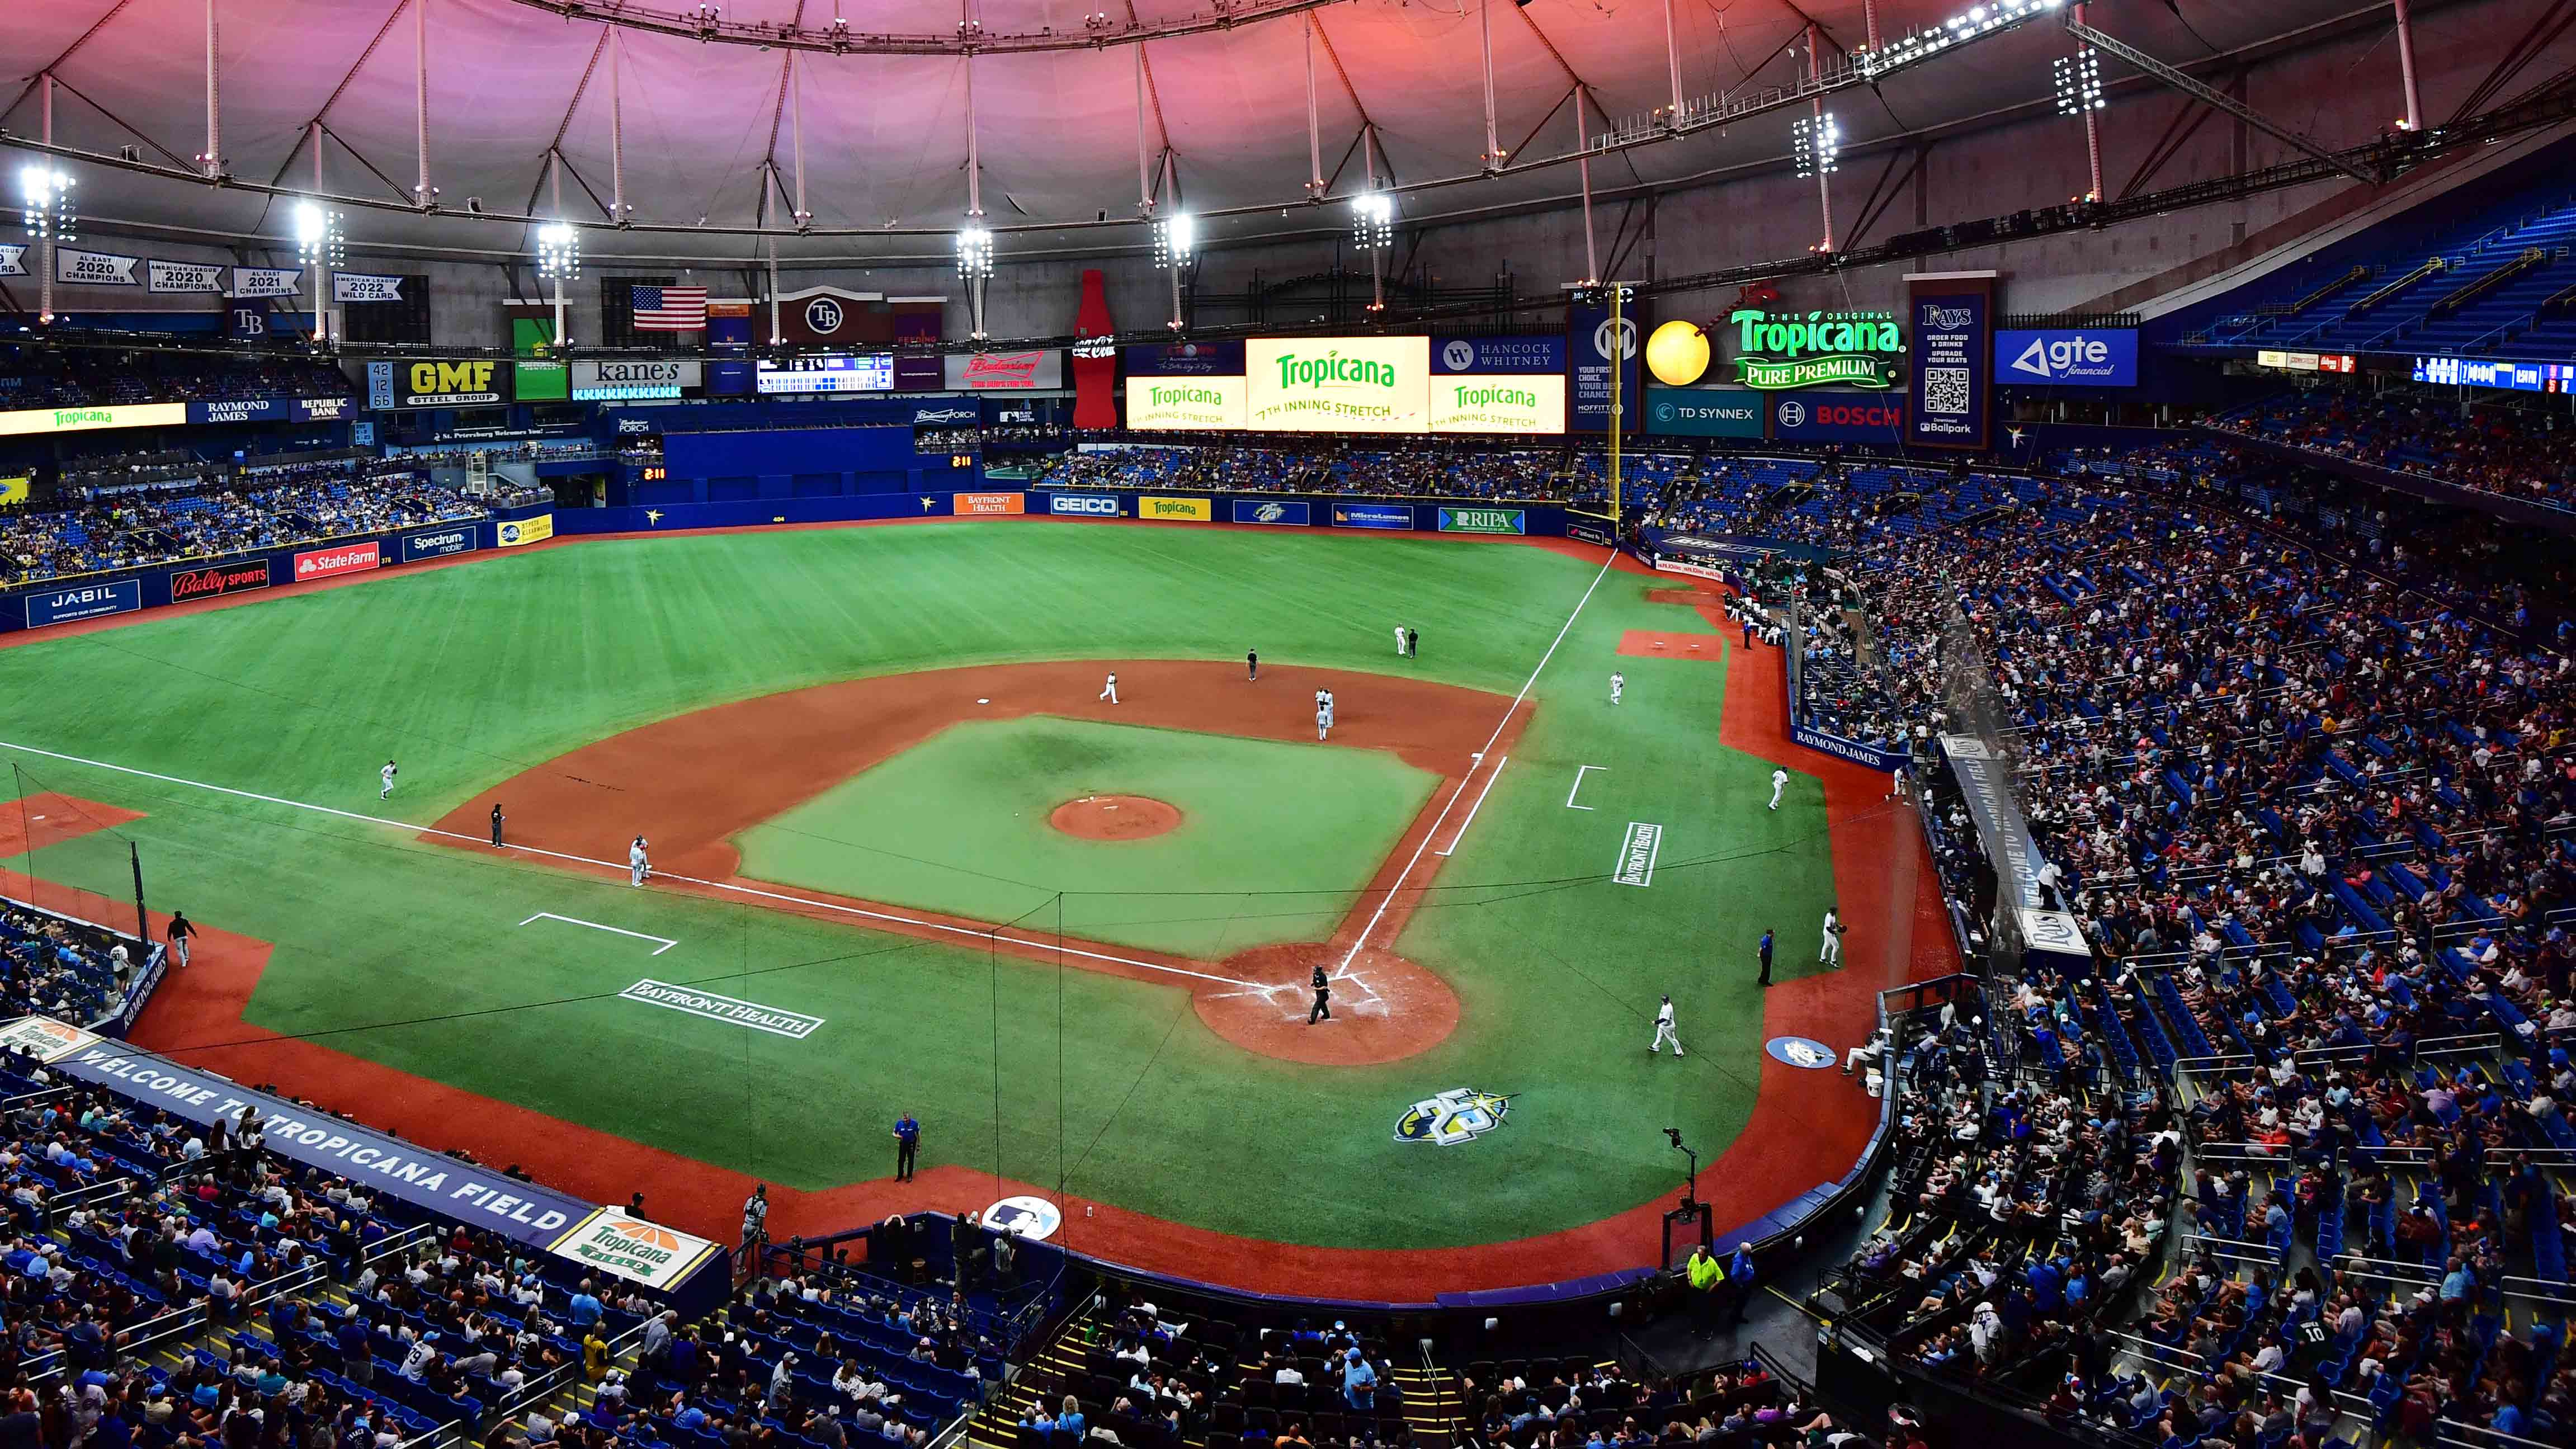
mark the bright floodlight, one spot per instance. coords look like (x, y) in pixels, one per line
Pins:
(2079, 82)
(558, 250)
(318, 237)
(47, 193)
(1817, 142)
(1373, 221)
(974, 253)
(1175, 238)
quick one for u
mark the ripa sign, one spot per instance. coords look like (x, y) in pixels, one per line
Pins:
(1777, 351)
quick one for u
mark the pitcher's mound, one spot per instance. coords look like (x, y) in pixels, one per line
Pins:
(1114, 817)
(1385, 1008)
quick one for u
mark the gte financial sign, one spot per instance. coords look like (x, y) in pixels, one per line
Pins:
(450, 384)
(1777, 351)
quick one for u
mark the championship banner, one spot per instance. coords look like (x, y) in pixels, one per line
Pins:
(1095, 357)
(94, 269)
(267, 281)
(1338, 384)
(1951, 390)
(525, 530)
(1532, 404)
(161, 276)
(1595, 348)
(13, 259)
(1203, 404)
(363, 287)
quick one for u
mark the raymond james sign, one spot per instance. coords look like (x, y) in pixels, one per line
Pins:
(1776, 351)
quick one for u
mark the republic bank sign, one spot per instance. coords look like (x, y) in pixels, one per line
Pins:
(1777, 351)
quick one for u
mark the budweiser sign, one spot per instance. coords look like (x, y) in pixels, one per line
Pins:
(1005, 371)
(205, 583)
(322, 563)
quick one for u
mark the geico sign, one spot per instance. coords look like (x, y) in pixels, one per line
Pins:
(450, 379)
(1094, 507)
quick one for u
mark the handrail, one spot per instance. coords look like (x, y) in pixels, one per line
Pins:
(402, 1242)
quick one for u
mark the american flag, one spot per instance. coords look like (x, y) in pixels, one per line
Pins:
(670, 309)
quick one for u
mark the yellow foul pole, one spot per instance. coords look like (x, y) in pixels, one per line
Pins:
(1618, 361)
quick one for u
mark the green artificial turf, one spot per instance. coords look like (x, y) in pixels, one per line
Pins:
(412, 955)
(1275, 842)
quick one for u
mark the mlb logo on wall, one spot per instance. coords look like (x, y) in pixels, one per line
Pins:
(1461, 1114)
(1025, 1216)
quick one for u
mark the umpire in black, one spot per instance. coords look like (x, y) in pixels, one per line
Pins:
(1323, 1009)
(497, 818)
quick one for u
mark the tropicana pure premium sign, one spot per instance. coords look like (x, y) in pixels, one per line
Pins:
(1338, 384)
(1776, 351)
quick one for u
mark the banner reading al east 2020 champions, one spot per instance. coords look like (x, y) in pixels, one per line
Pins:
(1338, 384)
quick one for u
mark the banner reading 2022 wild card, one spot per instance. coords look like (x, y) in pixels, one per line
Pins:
(1338, 384)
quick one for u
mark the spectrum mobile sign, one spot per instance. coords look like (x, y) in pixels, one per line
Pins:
(1777, 351)
(1204, 403)
(1338, 384)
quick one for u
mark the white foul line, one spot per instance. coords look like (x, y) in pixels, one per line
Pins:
(1499, 725)
(667, 942)
(1578, 785)
(1496, 774)
(619, 867)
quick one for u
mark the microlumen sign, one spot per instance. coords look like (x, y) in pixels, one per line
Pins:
(1779, 351)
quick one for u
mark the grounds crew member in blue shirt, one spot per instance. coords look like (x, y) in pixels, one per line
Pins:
(1766, 957)
(907, 1146)
(1739, 1283)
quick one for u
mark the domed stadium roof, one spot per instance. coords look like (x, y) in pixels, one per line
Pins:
(709, 112)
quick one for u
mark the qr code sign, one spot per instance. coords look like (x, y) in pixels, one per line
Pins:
(1945, 390)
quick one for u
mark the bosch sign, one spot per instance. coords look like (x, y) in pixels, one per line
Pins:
(205, 583)
(1818, 417)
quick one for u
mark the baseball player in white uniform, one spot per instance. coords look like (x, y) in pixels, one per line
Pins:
(638, 868)
(1664, 1031)
(387, 775)
(1618, 682)
(1831, 953)
(1779, 782)
(1399, 640)
(1109, 691)
(1323, 713)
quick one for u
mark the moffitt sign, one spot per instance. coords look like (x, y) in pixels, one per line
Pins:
(1779, 351)
(205, 583)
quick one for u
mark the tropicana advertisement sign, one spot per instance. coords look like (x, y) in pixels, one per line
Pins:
(1338, 384)
(1777, 351)
(1203, 403)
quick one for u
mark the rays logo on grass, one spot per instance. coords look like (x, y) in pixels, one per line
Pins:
(1461, 1114)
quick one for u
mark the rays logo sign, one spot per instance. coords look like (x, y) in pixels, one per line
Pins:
(1461, 1114)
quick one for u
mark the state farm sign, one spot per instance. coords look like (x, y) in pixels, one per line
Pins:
(322, 563)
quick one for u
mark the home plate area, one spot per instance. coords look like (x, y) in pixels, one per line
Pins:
(1385, 1008)
(1665, 644)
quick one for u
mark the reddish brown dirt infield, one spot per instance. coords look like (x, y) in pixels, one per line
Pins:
(1383, 1005)
(47, 818)
(1115, 818)
(689, 784)
(1799, 1135)
(1663, 644)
